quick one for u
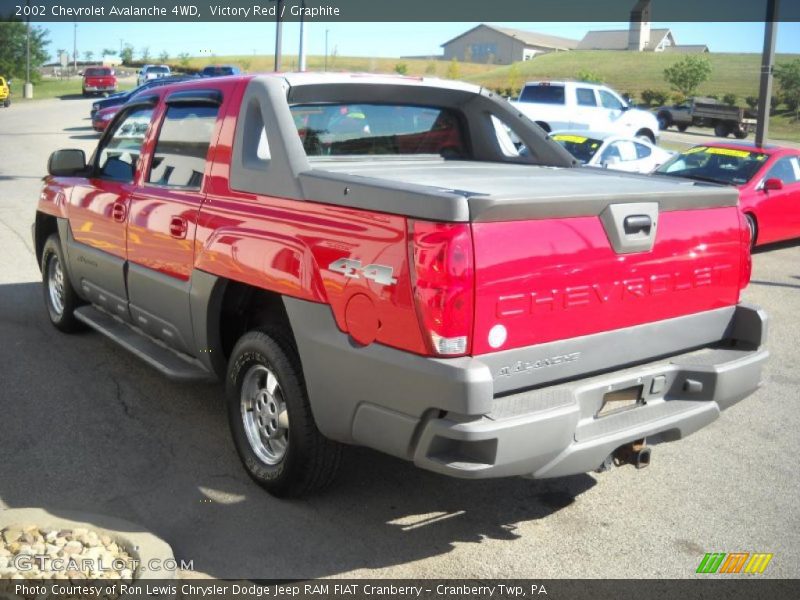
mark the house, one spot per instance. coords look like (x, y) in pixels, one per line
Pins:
(639, 37)
(502, 45)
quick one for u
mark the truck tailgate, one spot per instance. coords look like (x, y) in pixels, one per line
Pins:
(559, 278)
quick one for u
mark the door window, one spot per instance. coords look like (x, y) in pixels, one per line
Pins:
(181, 150)
(786, 169)
(117, 158)
(622, 150)
(586, 97)
(610, 101)
(642, 151)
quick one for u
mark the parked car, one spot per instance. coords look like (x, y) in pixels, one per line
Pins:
(99, 80)
(148, 72)
(571, 105)
(612, 151)
(477, 311)
(219, 70)
(123, 97)
(103, 117)
(707, 112)
(5, 92)
(768, 180)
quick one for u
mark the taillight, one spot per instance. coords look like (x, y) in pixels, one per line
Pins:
(443, 282)
(746, 268)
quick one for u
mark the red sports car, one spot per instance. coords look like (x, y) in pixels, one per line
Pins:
(103, 117)
(768, 179)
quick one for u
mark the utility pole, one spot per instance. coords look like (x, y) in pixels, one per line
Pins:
(278, 35)
(75, 49)
(767, 67)
(27, 89)
(301, 59)
(326, 49)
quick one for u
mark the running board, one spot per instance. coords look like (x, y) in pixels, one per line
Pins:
(168, 362)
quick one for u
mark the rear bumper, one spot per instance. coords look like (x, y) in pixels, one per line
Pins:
(100, 88)
(473, 418)
(554, 431)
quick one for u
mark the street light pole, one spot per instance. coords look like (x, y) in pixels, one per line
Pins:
(301, 61)
(767, 62)
(278, 35)
(75, 49)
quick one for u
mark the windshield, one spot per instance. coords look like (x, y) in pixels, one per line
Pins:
(358, 129)
(718, 165)
(581, 147)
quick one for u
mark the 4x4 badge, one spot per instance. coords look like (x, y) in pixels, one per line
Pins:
(352, 268)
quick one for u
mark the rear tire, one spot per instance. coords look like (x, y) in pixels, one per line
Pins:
(740, 134)
(682, 128)
(60, 298)
(270, 418)
(722, 130)
(647, 135)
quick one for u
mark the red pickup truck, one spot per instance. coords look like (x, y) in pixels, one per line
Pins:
(372, 260)
(99, 80)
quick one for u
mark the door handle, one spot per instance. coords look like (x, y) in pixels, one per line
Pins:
(119, 211)
(178, 227)
(637, 224)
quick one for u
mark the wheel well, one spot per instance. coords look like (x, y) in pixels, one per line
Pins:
(544, 126)
(243, 308)
(749, 215)
(46, 225)
(646, 132)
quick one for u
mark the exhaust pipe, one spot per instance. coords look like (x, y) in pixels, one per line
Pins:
(636, 453)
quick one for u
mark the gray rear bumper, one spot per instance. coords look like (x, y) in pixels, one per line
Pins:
(467, 417)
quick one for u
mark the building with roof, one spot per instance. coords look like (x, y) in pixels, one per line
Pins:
(502, 45)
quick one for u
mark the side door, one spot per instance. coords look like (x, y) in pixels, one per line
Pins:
(586, 114)
(163, 218)
(98, 210)
(613, 113)
(779, 210)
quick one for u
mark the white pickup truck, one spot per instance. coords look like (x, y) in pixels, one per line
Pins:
(572, 105)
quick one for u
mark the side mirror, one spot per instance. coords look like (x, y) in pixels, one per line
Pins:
(773, 184)
(626, 107)
(66, 163)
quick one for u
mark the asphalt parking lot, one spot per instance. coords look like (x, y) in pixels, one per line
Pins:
(84, 426)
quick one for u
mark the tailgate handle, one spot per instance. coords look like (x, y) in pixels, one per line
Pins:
(637, 224)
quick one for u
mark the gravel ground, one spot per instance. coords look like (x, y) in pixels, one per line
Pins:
(86, 426)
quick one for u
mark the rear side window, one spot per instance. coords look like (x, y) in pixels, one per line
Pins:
(543, 94)
(117, 158)
(369, 129)
(179, 159)
(586, 97)
(94, 72)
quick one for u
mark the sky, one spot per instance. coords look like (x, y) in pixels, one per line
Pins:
(370, 39)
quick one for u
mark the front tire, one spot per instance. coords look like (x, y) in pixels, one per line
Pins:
(271, 421)
(751, 225)
(60, 298)
(722, 130)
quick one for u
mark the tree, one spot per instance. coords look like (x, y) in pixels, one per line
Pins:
(401, 68)
(183, 59)
(788, 76)
(88, 55)
(588, 76)
(163, 57)
(730, 99)
(145, 54)
(12, 49)
(108, 52)
(686, 75)
(514, 77)
(126, 54)
(453, 70)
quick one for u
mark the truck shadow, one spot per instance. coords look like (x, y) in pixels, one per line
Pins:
(88, 427)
